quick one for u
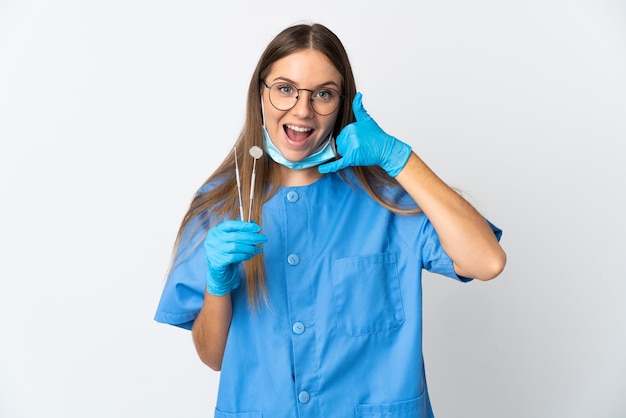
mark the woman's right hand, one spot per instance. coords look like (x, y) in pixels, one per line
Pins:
(225, 246)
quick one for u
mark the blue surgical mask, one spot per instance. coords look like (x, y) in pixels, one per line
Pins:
(325, 152)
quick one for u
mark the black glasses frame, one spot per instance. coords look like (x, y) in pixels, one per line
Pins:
(298, 96)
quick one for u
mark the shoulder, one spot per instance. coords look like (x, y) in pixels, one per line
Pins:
(385, 188)
(212, 183)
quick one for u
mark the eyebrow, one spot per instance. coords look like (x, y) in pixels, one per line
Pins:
(326, 84)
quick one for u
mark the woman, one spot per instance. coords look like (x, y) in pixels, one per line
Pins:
(320, 314)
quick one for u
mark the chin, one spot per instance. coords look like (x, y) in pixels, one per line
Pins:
(296, 157)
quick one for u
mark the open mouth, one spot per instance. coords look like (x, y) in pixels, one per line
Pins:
(297, 133)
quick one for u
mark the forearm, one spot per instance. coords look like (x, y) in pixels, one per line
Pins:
(464, 234)
(210, 329)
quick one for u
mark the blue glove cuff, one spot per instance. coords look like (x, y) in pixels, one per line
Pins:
(221, 289)
(397, 159)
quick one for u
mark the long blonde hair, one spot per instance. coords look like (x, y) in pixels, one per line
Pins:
(220, 200)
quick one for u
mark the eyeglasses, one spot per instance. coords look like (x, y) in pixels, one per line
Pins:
(284, 96)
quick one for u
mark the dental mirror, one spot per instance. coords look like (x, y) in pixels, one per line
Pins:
(256, 153)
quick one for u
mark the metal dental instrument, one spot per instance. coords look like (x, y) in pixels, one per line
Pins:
(238, 183)
(256, 153)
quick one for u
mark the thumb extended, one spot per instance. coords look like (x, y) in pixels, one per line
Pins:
(357, 107)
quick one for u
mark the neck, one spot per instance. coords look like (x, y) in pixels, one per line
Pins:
(295, 178)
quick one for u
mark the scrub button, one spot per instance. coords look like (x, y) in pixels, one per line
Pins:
(293, 196)
(298, 328)
(304, 396)
(293, 259)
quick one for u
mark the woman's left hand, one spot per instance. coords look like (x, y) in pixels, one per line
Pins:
(364, 143)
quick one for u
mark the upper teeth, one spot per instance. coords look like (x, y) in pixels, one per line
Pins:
(298, 128)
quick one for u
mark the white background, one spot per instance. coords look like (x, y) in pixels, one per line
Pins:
(112, 113)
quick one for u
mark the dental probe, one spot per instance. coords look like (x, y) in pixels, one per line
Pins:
(238, 183)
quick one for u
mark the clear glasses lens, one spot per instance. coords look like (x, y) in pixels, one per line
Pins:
(324, 101)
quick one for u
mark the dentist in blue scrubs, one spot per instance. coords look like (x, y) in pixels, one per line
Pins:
(314, 307)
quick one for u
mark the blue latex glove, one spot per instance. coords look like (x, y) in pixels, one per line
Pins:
(225, 246)
(364, 143)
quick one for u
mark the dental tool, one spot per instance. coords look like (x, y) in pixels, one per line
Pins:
(256, 153)
(238, 183)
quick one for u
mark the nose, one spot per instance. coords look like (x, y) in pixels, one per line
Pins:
(304, 104)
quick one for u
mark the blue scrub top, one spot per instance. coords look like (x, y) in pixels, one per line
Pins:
(342, 334)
